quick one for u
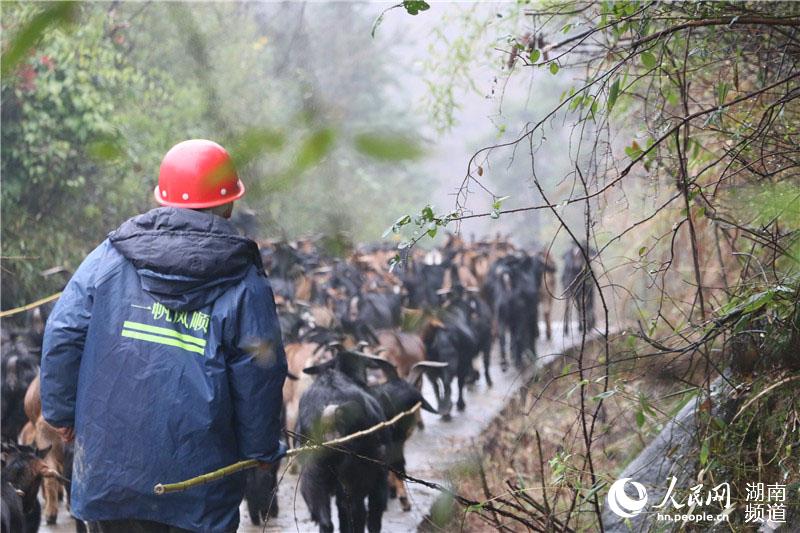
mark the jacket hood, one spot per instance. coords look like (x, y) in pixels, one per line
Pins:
(185, 259)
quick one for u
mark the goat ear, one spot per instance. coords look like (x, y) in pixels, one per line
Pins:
(373, 361)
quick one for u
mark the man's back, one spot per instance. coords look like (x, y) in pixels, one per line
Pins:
(165, 355)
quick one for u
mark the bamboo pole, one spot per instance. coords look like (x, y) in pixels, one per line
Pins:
(164, 488)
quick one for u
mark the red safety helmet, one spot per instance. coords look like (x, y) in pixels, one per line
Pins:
(195, 174)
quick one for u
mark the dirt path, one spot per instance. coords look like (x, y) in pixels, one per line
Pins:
(428, 453)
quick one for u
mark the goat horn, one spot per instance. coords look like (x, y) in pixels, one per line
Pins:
(370, 356)
(415, 374)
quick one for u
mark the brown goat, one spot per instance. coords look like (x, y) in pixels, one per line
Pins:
(299, 355)
(45, 436)
(403, 350)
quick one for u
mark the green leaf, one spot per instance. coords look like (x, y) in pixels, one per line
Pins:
(722, 92)
(757, 301)
(535, 55)
(630, 342)
(672, 98)
(613, 93)
(393, 262)
(314, 148)
(604, 395)
(643, 401)
(554, 68)
(579, 384)
(254, 143)
(398, 224)
(53, 14)
(387, 147)
(648, 60)
(413, 7)
(106, 149)
(642, 251)
(498, 202)
(639, 418)
(704, 451)
(634, 150)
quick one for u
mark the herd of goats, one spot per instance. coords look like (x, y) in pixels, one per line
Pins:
(359, 338)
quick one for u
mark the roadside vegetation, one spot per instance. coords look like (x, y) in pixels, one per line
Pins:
(684, 179)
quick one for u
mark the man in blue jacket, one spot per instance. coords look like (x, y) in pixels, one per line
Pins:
(163, 357)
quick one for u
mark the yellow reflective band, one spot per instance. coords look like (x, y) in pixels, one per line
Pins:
(164, 331)
(162, 340)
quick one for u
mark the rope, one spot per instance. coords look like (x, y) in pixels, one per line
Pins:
(31, 305)
(180, 486)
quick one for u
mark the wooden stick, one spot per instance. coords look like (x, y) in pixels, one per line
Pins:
(31, 305)
(251, 463)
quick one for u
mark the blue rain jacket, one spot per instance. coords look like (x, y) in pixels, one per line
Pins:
(164, 353)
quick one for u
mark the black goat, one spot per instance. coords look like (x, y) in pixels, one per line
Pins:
(24, 469)
(397, 395)
(338, 404)
(478, 315)
(451, 340)
(512, 287)
(421, 282)
(13, 519)
(19, 367)
(261, 493)
(371, 311)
